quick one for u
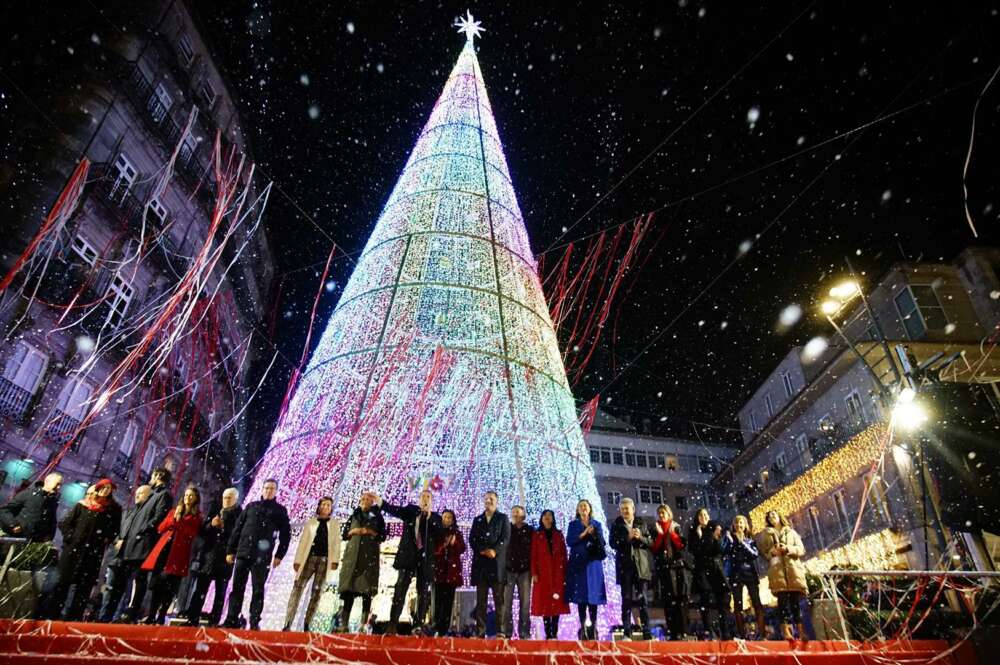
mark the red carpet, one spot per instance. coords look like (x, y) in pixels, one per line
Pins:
(36, 642)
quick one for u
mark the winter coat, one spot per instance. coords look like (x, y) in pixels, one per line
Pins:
(178, 535)
(142, 531)
(519, 548)
(408, 556)
(786, 571)
(211, 556)
(632, 556)
(740, 562)
(253, 536)
(673, 572)
(333, 540)
(34, 511)
(360, 565)
(709, 575)
(494, 534)
(86, 533)
(448, 558)
(584, 578)
(548, 570)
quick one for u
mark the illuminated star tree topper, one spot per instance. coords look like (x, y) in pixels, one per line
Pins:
(471, 27)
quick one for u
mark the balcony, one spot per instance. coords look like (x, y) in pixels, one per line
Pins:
(60, 428)
(15, 401)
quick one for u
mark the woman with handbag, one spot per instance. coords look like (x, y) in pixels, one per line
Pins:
(585, 572)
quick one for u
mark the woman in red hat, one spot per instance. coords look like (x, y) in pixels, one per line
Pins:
(169, 559)
(87, 529)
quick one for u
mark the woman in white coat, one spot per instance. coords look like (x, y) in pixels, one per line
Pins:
(318, 552)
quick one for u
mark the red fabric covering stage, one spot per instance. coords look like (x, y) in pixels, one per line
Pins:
(36, 642)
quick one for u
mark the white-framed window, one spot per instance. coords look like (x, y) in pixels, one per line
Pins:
(786, 381)
(188, 147)
(73, 398)
(84, 250)
(629, 458)
(617, 456)
(185, 49)
(780, 461)
(614, 498)
(159, 103)
(673, 464)
(753, 421)
(159, 211)
(207, 93)
(124, 175)
(595, 455)
(126, 448)
(657, 461)
(769, 405)
(802, 450)
(641, 460)
(840, 507)
(148, 458)
(920, 310)
(26, 367)
(120, 295)
(855, 408)
(816, 527)
(650, 494)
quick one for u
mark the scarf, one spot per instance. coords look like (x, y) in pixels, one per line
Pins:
(96, 503)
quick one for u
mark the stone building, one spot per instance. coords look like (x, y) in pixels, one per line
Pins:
(129, 91)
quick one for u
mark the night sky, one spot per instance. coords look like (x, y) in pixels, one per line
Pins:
(757, 133)
(336, 96)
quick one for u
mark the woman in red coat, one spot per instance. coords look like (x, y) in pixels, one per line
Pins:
(548, 574)
(447, 571)
(168, 562)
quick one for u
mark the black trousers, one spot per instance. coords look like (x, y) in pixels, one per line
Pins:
(423, 575)
(444, 603)
(551, 627)
(83, 577)
(713, 600)
(139, 587)
(120, 573)
(482, 590)
(634, 597)
(201, 584)
(674, 594)
(257, 571)
(164, 589)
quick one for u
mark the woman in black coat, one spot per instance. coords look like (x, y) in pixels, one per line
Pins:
(705, 543)
(88, 528)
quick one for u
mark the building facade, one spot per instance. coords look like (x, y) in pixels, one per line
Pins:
(817, 445)
(142, 111)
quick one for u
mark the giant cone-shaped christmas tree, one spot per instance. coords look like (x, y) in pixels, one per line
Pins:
(440, 364)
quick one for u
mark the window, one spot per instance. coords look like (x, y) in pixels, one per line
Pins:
(84, 250)
(25, 367)
(780, 461)
(121, 294)
(814, 523)
(658, 461)
(840, 507)
(629, 458)
(855, 410)
(147, 459)
(920, 310)
(875, 490)
(681, 502)
(185, 49)
(124, 175)
(595, 455)
(672, 463)
(786, 380)
(753, 421)
(707, 465)
(617, 457)
(159, 211)
(650, 494)
(159, 103)
(614, 498)
(188, 147)
(769, 403)
(125, 449)
(640, 459)
(73, 399)
(802, 449)
(207, 94)
(605, 456)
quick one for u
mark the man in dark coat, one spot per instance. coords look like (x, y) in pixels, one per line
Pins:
(120, 571)
(631, 539)
(135, 545)
(518, 574)
(211, 559)
(488, 540)
(251, 548)
(31, 513)
(415, 557)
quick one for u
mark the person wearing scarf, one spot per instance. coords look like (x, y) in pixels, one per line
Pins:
(548, 574)
(447, 571)
(672, 574)
(89, 527)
